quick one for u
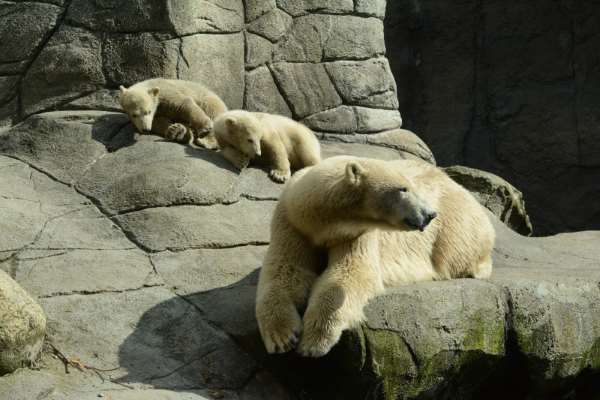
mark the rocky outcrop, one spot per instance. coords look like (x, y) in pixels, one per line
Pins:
(22, 326)
(98, 224)
(509, 89)
(497, 195)
(144, 255)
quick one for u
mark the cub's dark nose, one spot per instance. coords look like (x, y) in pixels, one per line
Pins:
(146, 131)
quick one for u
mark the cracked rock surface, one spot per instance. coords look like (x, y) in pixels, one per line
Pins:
(144, 255)
(131, 244)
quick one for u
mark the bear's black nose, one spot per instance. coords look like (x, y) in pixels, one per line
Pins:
(146, 131)
(427, 218)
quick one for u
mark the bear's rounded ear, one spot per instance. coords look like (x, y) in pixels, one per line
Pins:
(122, 88)
(230, 122)
(154, 91)
(354, 172)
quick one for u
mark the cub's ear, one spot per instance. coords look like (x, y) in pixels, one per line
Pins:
(123, 89)
(154, 92)
(354, 173)
(230, 122)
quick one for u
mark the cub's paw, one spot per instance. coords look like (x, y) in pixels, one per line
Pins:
(279, 176)
(241, 162)
(208, 142)
(317, 341)
(178, 133)
(281, 335)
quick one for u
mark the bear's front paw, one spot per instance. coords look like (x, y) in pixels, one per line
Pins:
(279, 176)
(316, 341)
(241, 162)
(208, 142)
(282, 335)
(178, 133)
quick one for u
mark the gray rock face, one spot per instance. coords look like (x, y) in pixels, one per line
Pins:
(144, 255)
(131, 245)
(75, 54)
(508, 90)
(497, 195)
(22, 326)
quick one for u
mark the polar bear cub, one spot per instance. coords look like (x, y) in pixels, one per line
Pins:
(175, 109)
(349, 227)
(276, 141)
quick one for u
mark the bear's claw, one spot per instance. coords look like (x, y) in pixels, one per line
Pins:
(283, 334)
(279, 176)
(316, 342)
(178, 133)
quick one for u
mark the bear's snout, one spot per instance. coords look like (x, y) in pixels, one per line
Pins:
(421, 220)
(427, 218)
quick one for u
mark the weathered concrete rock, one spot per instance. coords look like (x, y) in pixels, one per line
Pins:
(341, 119)
(218, 62)
(370, 120)
(22, 326)
(402, 140)
(272, 25)
(258, 51)
(70, 65)
(497, 195)
(262, 93)
(132, 57)
(170, 228)
(207, 16)
(302, 7)
(26, 24)
(319, 37)
(365, 83)
(307, 88)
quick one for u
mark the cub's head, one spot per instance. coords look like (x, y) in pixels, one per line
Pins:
(140, 104)
(243, 130)
(385, 196)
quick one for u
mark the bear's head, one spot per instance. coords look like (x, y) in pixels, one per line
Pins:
(140, 104)
(243, 130)
(386, 197)
(342, 197)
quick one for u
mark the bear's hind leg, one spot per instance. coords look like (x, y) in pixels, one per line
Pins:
(340, 293)
(288, 272)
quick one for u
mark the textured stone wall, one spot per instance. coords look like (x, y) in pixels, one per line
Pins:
(318, 61)
(511, 87)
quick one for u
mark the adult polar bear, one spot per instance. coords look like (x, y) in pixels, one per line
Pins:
(349, 227)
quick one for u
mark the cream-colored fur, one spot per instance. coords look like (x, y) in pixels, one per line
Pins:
(276, 141)
(346, 229)
(175, 109)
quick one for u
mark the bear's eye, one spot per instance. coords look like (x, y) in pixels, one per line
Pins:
(250, 141)
(402, 189)
(135, 115)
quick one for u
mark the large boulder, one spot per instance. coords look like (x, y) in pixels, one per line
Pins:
(22, 326)
(497, 195)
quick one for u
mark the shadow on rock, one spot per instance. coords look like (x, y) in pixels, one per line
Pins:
(114, 131)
